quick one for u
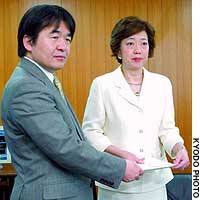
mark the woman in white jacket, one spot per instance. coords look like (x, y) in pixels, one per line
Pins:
(130, 114)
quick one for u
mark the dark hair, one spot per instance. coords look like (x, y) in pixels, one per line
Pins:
(127, 27)
(37, 18)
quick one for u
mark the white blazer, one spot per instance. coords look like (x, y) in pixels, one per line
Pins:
(142, 125)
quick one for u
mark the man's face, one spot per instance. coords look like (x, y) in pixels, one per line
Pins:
(51, 48)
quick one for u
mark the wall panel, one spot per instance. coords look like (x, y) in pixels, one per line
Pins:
(173, 44)
(2, 20)
(183, 80)
(112, 15)
(10, 40)
(83, 54)
(68, 74)
(91, 54)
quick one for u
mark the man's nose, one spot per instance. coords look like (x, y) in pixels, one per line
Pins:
(62, 44)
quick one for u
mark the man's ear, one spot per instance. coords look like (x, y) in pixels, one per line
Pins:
(27, 43)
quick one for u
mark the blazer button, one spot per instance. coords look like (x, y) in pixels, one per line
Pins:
(140, 111)
(140, 131)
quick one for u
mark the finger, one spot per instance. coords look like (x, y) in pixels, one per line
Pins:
(183, 162)
(181, 165)
(139, 160)
(177, 160)
(175, 163)
(141, 172)
(126, 180)
(137, 178)
(178, 166)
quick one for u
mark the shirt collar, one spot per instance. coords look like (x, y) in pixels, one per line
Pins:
(47, 73)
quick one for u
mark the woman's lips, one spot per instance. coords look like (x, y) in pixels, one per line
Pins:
(137, 59)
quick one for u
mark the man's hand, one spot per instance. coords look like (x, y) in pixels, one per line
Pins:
(133, 171)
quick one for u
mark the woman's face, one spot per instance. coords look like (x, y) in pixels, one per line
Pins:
(134, 51)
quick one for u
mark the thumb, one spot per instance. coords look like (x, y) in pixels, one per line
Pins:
(177, 160)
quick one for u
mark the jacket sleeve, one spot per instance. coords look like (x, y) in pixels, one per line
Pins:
(169, 133)
(95, 118)
(33, 110)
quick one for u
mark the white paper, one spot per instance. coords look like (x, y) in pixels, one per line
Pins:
(153, 164)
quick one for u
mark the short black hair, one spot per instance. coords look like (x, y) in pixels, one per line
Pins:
(128, 26)
(37, 18)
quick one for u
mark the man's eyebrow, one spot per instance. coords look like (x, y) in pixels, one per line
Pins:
(57, 31)
(69, 34)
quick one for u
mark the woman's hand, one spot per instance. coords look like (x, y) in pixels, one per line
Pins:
(124, 154)
(182, 160)
(130, 156)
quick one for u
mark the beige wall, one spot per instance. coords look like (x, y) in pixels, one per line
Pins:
(90, 54)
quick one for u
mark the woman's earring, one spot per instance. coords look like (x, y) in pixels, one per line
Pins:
(119, 57)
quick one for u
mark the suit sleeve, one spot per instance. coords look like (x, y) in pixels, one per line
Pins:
(95, 118)
(169, 133)
(33, 111)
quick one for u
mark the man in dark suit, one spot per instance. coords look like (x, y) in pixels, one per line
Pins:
(49, 152)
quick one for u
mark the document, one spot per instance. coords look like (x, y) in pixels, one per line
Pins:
(153, 164)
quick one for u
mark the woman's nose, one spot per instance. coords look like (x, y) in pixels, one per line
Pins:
(137, 49)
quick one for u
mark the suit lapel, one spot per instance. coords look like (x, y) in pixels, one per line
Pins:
(123, 88)
(34, 70)
(74, 119)
(65, 107)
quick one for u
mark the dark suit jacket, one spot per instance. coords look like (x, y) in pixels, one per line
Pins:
(49, 152)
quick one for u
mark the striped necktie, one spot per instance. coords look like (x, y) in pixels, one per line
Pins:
(58, 86)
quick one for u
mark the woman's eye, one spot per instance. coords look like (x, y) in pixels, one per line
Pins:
(129, 43)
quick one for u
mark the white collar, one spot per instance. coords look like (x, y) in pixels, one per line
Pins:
(120, 80)
(47, 73)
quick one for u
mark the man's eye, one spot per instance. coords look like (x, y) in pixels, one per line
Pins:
(68, 40)
(54, 37)
(144, 43)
